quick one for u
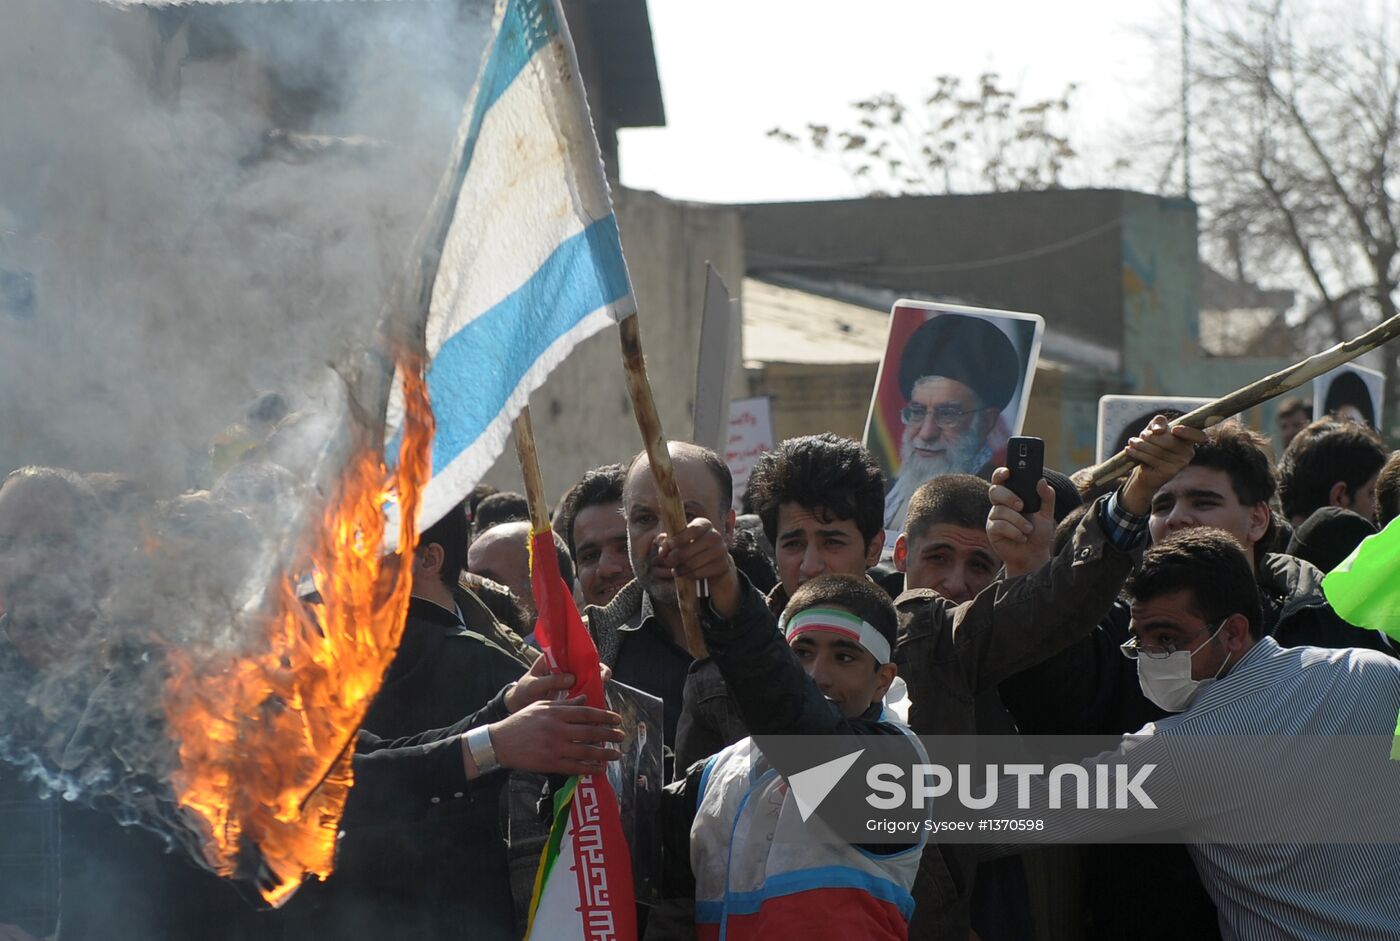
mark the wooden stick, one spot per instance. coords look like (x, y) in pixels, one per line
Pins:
(1257, 392)
(530, 469)
(669, 495)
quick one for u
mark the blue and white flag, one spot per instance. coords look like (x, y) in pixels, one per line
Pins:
(532, 264)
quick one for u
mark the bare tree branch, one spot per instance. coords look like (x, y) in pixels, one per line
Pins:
(954, 140)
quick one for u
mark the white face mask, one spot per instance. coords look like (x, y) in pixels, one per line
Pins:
(1168, 683)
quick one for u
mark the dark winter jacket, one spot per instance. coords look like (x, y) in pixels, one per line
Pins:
(948, 654)
(421, 853)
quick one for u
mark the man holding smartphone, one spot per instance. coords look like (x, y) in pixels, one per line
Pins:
(947, 653)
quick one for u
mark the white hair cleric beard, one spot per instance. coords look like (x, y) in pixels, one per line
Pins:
(916, 468)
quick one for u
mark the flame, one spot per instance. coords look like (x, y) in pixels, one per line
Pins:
(265, 738)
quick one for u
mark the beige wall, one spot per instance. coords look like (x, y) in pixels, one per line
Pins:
(809, 398)
(582, 415)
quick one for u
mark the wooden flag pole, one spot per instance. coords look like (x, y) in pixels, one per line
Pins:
(1256, 393)
(668, 493)
(524, 434)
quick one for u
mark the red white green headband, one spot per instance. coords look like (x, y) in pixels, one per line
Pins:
(839, 622)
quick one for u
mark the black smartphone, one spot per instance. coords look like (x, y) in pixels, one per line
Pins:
(1025, 457)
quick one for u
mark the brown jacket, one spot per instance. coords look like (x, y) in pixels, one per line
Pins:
(949, 653)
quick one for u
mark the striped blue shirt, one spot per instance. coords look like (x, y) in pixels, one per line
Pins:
(1303, 891)
(1271, 891)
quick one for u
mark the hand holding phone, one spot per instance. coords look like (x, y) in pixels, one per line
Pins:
(1025, 458)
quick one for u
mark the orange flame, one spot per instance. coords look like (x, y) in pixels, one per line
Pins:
(265, 739)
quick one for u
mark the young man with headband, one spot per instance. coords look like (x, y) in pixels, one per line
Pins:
(824, 672)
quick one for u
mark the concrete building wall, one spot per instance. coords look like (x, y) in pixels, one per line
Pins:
(1055, 253)
(809, 398)
(582, 415)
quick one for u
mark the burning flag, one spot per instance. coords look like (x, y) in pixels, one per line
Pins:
(584, 886)
(265, 740)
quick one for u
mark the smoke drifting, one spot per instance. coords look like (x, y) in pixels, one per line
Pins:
(199, 204)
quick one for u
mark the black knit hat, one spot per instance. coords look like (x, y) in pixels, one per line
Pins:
(1067, 497)
(1328, 536)
(970, 350)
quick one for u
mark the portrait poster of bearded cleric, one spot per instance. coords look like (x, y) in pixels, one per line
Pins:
(952, 388)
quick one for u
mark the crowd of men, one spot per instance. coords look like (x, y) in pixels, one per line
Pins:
(1184, 600)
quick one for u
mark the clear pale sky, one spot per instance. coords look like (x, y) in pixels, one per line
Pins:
(731, 69)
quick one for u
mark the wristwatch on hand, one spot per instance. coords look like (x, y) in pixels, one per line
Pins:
(482, 751)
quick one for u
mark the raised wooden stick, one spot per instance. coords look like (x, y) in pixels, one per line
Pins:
(1257, 392)
(669, 495)
(524, 433)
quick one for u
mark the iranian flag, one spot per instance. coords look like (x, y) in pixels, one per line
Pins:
(584, 886)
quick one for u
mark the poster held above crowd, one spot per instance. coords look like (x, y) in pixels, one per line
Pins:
(1121, 416)
(953, 386)
(1352, 392)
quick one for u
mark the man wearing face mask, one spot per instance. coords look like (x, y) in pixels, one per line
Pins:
(1201, 653)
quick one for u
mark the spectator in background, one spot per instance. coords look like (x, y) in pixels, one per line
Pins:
(1388, 491)
(1349, 399)
(752, 560)
(590, 520)
(502, 554)
(749, 522)
(497, 508)
(944, 546)
(478, 493)
(821, 500)
(1135, 428)
(1328, 536)
(499, 600)
(1330, 463)
(1293, 416)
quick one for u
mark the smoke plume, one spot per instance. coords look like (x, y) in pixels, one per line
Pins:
(204, 210)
